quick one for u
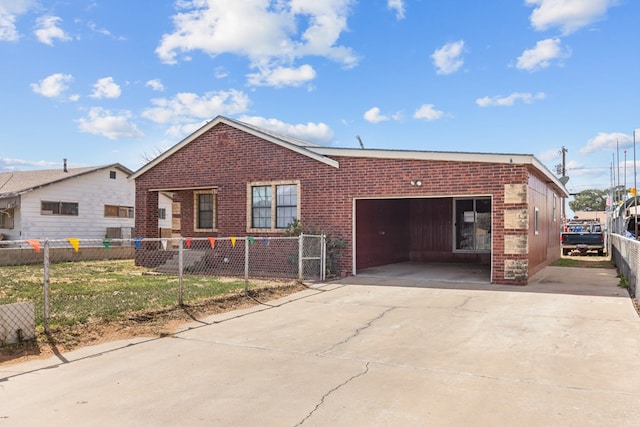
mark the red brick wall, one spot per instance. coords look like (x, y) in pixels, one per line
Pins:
(228, 158)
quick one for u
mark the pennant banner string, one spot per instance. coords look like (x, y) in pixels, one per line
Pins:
(35, 244)
(75, 243)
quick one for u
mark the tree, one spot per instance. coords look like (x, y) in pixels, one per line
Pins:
(589, 200)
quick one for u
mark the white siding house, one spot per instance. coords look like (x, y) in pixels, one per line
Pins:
(85, 203)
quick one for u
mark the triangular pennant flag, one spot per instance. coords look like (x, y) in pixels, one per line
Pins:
(188, 243)
(74, 242)
(212, 242)
(106, 243)
(251, 240)
(136, 242)
(164, 243)
(233, 242)
(265, 241)
(35, 244)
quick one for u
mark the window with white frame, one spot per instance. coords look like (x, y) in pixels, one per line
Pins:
(162, 213)
(272, 205)
(555, 207)
(536, 222)
(59, 208)
(204, 210)
(472, 229)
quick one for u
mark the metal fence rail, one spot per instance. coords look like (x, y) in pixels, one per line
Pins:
(165, 271)
(625, 253)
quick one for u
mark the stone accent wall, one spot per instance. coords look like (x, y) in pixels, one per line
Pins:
(516, 244)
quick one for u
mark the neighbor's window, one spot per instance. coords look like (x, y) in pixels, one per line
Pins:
(6, 218)
(59, 208)
(204, 208)
(272, 205)
(472, 224)
(115, 211)
(162, 213)
(112, 174)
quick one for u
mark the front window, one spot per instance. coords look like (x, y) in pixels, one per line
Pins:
(473, 224)
(59, 208)
(272, 206)
(205, 210)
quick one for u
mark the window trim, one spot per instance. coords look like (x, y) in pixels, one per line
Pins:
(59, 203)
(128, 210)
(475, 199)
(9, 223)
(196, 210)
(274, 201)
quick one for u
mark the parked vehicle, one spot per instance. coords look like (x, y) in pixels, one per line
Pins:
(583, 237)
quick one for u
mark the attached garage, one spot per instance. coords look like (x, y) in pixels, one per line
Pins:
(454, 230)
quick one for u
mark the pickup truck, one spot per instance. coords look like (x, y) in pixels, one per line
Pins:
(583, 237)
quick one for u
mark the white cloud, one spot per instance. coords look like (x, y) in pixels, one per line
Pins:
(541, 56)
(93, 27)
(288, 30)
(313, 132)
(448, 59)
(568, 15)
(10, 10)
(52, 86)
(113, 126)
(549, 155)
(398, 6)
(373, 116)
(282, 76)
(428, 112)
(47, 30)
(155, 84)
(508, 101)
(105, 88)
(189, 108)
(8, 164)
(607, 142)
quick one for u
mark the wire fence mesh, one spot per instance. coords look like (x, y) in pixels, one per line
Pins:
(74, 283)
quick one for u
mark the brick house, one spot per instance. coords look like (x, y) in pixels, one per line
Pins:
(233, 179)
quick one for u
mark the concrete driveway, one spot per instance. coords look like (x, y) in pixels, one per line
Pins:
(563, 351)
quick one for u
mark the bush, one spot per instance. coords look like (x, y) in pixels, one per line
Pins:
(335, 244)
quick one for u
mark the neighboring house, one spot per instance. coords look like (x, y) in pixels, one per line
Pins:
(87, 203)
(233, 179)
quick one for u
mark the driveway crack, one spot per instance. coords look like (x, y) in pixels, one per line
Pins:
(357, 331)
(327, 394)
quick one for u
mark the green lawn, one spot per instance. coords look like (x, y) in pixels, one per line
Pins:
(103, 290)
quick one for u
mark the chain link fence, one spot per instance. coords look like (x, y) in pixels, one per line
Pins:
(74, 282)
(625, 253)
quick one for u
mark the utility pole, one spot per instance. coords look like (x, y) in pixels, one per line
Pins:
(563, 151)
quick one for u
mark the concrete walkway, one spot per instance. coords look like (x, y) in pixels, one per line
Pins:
(562, 351)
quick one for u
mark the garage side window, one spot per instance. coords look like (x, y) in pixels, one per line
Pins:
(272, 206)
(472, 224)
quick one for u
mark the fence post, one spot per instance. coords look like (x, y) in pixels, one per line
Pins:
(300, 254)
(246, 266)
(323, 258)
(180, 270)
(45, 286)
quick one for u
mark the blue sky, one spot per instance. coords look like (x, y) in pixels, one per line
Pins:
(108, 81)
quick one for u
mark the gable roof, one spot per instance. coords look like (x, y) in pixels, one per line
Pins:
(293, 144)
(326, 154)
(16, 183)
